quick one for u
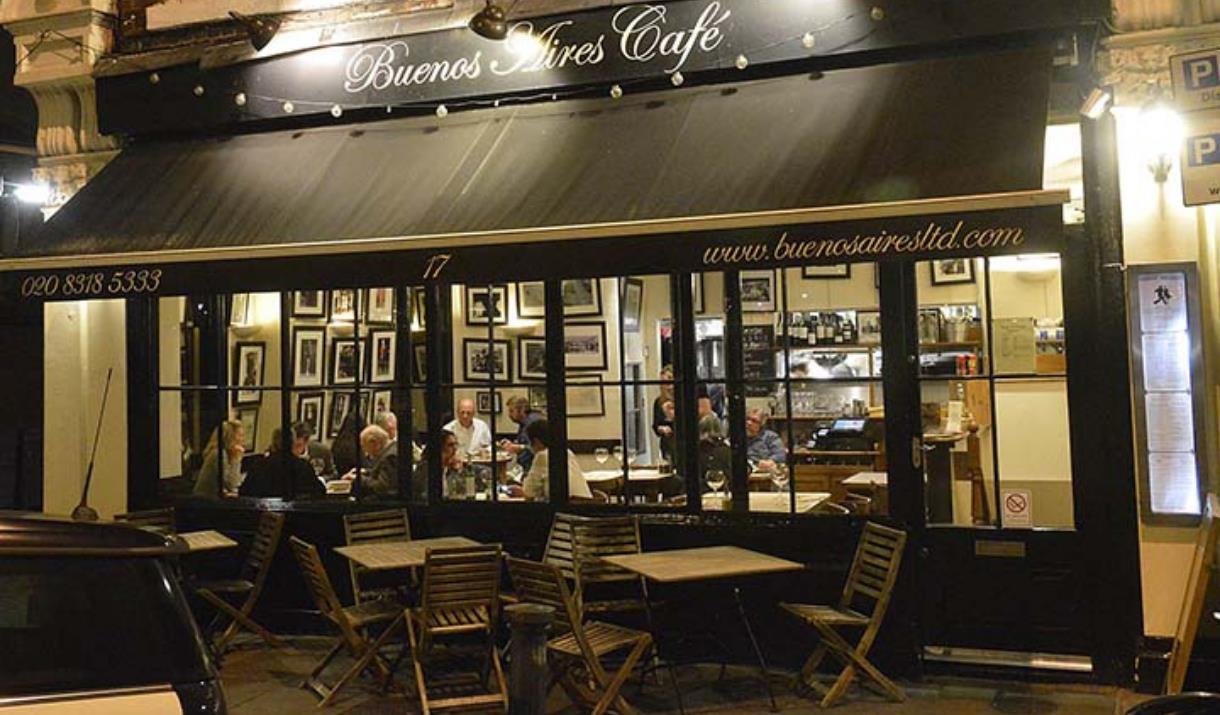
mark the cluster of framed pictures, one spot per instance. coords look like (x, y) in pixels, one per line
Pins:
(371, 359)
(488, 304)
(759, 291)
(375, 305)
(584, 346)
(324, 411)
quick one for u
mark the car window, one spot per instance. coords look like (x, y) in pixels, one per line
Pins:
(70, 624)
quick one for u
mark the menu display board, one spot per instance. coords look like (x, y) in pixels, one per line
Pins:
(1171, 410)
(758, 361)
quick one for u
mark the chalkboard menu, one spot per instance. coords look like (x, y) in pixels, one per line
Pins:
(758, 353)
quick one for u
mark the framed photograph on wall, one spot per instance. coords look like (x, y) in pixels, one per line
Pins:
(483, 359)
(531, 358)
(248, 417)
(486, 304)
(537, 397)
(248, 364)
(585, 399)
(347, 361)
(340, 405)
(868, 325)
(531, 299)
(384, 355)
(582, 296)
(309, 411)
(483, 403)
(947, 271)
(838, 271)
(382, 402)
(757, 291)
(239, 309)
(309, 304)
(584, 346)
(308, 356)
(419, 362)
(380, 305)
(632, 304)
(343, 305)
(418, 312)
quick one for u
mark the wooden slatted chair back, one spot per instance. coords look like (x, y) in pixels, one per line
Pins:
(262, 549)
(461, 578)
(389, 525)
(544, 584)
(158, 520)
(559, 544)
(874, 570)
(597, 538)
(372, 526)
(320, 587)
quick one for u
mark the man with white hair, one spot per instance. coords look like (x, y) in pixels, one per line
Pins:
(382, 477)
(387, 421)
(473, 434)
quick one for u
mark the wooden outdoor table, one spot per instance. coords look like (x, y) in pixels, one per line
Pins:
(391, 555)
(710, 563)
(208, 540)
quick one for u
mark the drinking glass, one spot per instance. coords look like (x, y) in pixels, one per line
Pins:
(618, 453)
(514, 471)
(601, 454)
(715, 479)
(631, 454)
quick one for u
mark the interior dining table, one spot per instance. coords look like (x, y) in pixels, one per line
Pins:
(644, 480)
(776, 502)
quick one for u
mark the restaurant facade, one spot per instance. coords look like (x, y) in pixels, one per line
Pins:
(830, 222)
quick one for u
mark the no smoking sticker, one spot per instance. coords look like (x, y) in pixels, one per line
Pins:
(1018, 508)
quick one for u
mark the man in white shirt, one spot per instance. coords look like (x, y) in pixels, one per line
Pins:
(473, 435)
(536, 481)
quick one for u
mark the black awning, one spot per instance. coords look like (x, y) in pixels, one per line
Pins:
(943, 127)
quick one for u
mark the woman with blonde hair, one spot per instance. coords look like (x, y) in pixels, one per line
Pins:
(208, 483)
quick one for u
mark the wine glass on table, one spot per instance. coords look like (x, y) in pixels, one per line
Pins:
(715, 479)
(602, 455)
(618, 453)
(631, 454)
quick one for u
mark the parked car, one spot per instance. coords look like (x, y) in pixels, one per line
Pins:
(91, 615)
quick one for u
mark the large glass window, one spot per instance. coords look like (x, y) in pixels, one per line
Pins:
(994, 392)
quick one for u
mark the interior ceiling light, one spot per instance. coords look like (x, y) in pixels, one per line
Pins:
(259, 28)
(1096, 103)
(490, 22)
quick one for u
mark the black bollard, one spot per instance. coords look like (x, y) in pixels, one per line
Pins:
(527, 675)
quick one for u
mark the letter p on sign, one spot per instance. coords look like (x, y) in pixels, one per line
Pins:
(1202, 73)
(1202, 150)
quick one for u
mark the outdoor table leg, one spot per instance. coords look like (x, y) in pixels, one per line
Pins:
(762, 662)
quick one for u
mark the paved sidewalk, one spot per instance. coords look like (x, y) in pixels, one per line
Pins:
(260, 681)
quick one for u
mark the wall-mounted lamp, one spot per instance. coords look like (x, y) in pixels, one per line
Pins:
(1095, 104)
(1161, 135)
(259, 28)
(491, 22)
(36, 193)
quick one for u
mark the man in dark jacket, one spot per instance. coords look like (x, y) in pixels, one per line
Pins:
(280, 474)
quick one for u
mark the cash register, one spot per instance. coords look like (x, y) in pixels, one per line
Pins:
(846, 434)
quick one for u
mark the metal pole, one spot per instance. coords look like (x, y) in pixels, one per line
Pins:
(528, 676)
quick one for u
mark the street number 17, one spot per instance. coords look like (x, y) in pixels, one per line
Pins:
(434, 266)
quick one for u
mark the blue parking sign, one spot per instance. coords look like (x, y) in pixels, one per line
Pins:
(1202, 73)
(1203, 150)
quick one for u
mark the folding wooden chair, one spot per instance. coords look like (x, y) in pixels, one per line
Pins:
(391, 525)
(577, 546)
(459, 597)
(249, 583)
(577, 650)
(159, 520)
(871, 580)
(350, 622)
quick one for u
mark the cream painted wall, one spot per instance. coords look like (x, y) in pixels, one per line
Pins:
(1157, 228)
(264, 327)
(80, 346)
(169, 333)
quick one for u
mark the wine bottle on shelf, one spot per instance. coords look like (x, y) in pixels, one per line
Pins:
(837, 323)
(796, 326)
(813, 331)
